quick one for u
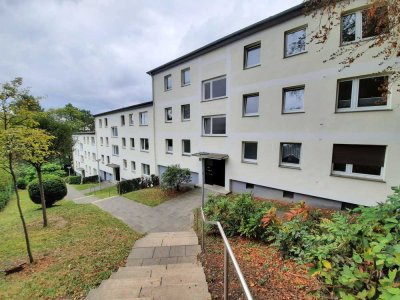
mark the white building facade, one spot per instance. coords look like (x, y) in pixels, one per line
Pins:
(85, 154)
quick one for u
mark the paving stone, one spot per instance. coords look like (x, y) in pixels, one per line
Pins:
(192, 250)
(168, 260)
(138, 273)
(134, 262)
(150, 261)
(180, 241)
(177, 251)
(130, 283)
(183, 278)
(185, 292)
(142, 253)
(106, 294)
(187, 259)
(161, 252)
(148, 242)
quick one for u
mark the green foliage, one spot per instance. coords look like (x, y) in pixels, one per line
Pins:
(73, 179)
(55, 189)
(21, 183)
(5, 189)
(174, 176)
(90, 179)
(127, 186)
(28, 172)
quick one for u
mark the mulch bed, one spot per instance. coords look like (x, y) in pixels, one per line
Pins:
(268, 274)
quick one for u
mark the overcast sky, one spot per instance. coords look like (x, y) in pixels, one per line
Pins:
(95, 53)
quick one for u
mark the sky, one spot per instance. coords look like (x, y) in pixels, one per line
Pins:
(95, 53)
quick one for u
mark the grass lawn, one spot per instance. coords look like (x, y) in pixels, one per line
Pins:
(80, 248)
(152, 196)
(105, 193)
(85, 186)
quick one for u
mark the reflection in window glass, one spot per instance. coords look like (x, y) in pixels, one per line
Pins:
(252, 56)
(349, 28)
(293, 100)
(290, 153)
(344, 96)
(295, 42)
(251, 105)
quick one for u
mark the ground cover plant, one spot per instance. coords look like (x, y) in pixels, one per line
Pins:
(354, 254)
(81, 246)
(152, 196)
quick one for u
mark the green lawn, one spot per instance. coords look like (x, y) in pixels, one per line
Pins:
(80, 248)
(85, 186)
(105, 193)
(151, 196)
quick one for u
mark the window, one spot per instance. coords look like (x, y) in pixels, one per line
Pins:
(250, 105)
(249, 152)
(215, 125)
(185, 111)
(168, 114)
(115, 150)
(102, 159)
(214, 88)
(108, 159)
(169, 146)
(114, 131)
(105, 122)
(361, 24)
(185, 76)
(125, 164)
(143, 118)
(293, 100)
(122, 120)
(101, 141)
(186, 147)
(362, 93)
(290, 154)
(287, 194)
(252, 55)
(133, 166)
(364, 161)
(92, 140)
(94, 156)
(100, 123)
(144, 144)
(249, 186)
(123, 142)
(130, 119)
(146, 169)
(295, 42)
(167, 82)
(132, 142)
(107, 143)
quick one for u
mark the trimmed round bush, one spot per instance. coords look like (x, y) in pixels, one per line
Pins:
(21, 183)
(55, 189)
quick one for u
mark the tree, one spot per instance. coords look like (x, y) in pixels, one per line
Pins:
(174, 176)
(15, 117)
(36, 151)
(381, 20)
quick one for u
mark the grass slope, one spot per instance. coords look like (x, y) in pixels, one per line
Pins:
(151, 196)
(80, 248)
(105, 193)
(85, 186)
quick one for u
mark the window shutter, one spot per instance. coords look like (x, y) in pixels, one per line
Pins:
(365, 155)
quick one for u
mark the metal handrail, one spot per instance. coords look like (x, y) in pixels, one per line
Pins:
(227, 253)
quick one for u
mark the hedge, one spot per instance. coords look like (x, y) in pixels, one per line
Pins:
(5, 196)
(135, 184)
(73, 179)
(55, 189)
(89, 179)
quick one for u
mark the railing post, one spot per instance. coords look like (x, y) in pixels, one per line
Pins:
(226, 271)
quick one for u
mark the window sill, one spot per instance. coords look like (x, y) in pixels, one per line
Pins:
(147, 151)
(187, 84)
(167, 90)
(169, 153)
(214, 135)
(114, 137)
(359, 177)
(251, 116)
(185, 120)
(131, 124)
(339, 111)
(168, 121)
(364, 40)
(251, 67)
(213, 99)
(131, 148)
(293, 112)
(144, 125)
(290, 167)
(186, 154)
(249, 162)
(293, 55)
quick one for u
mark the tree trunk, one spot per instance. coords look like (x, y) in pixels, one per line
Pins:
(28, 245)
(42, 198)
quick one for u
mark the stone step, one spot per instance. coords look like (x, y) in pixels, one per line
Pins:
(132, 262)
(182, 292)
(130, 283)
(132, 273)
(116, 294)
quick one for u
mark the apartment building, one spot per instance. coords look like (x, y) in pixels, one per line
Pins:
(272, 118)
(85, 154)
(125, 142)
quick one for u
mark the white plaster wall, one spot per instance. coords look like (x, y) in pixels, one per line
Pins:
(88, 163)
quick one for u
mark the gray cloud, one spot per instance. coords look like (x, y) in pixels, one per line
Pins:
(95, 53)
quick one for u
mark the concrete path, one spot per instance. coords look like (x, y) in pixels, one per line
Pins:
(160, 266)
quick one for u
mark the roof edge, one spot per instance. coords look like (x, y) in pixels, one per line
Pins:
(271, 21)
(140, 105)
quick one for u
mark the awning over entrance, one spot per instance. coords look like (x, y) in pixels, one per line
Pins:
(216, 156)
(112, 166)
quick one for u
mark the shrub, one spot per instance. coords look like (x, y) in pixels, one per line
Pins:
(28, 172)
(21, 183)
(6, 189)
(5, 196)
(53, 169)
(54, 190)
(174, 176)
(89, 179)
(135, 184)
(73, 180)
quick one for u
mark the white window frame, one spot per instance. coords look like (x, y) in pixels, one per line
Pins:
(141, 119)
(143, 144)
(182, 112)
(166, 115)
(133, 166)
(114, 131)
(349, 173)
(211, 129)
(144, 167)
(167, 150)
(354, 95)
(131, 120)
(245, 102)
(211, 81)
(183, 83)
(115, 150)
(246, 53)
(285, 55)
(248, 160)
(130, 143)
(123, 142)
(183, 147)
(294, 88)
(166, 87)
(289, 165)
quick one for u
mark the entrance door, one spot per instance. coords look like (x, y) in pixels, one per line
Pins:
(214, 172)
(116, 174)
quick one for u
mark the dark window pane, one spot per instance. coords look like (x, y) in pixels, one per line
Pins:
(372, 92)
(370, 170)
(291, 153)
(296, 42)
(251, 105)
(186, 146)
(250, 151)
(219, 125)
(168, 114)
(253, 56)
(186, 111)
(207, 126)
(219, 88)
(339, 167)
(349, 28)
(344, 97)
(207, 90)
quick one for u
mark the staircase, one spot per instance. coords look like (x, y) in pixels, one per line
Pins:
(161, 266)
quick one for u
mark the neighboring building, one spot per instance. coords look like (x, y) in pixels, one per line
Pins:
(282, 123)
(85, 154)
(125, 142)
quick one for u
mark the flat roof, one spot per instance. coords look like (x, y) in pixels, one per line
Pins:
(279, 18)
(135, 106)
